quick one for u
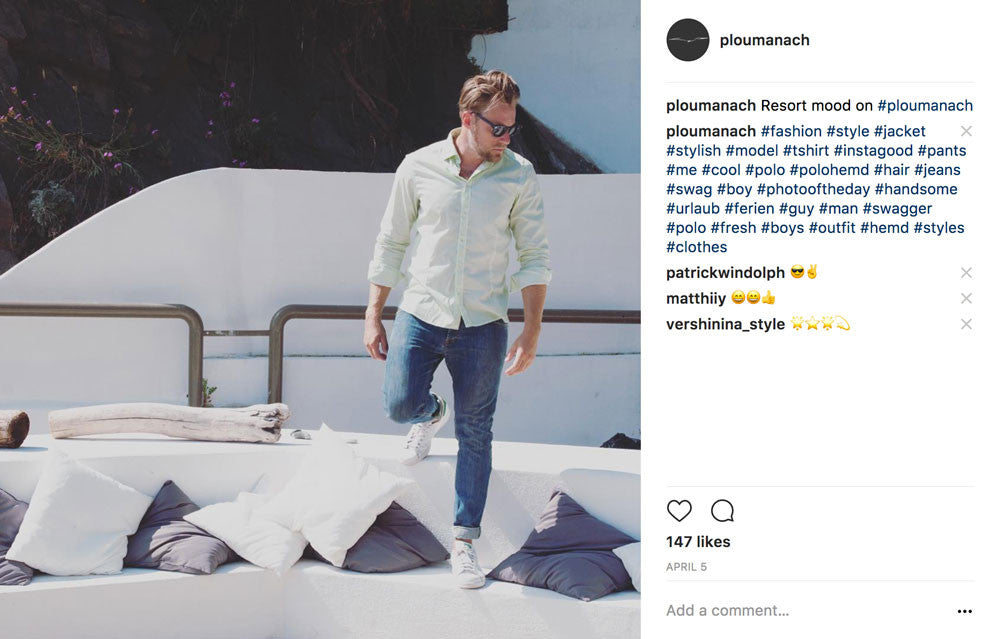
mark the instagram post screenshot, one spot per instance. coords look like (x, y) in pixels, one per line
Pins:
(322, 319)
(818, 304)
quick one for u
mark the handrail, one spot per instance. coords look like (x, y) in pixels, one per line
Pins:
(276, 345)
(129, 311)
(276, 332)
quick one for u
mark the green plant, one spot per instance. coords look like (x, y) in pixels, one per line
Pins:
(64, 176)
(206, 393)
(51, 208)
(245, 134)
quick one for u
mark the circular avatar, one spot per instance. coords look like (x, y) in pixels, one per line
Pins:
(687, 40)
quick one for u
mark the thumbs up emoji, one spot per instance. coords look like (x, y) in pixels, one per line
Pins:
(767, 299)
(811, 272)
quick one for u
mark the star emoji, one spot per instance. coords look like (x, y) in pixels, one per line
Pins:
(812, 323)
(796, 322)
(827, 322)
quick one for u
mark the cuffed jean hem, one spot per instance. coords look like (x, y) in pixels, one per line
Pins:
(465, 532)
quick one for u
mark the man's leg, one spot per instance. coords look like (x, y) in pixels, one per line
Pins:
(415, 350)
(475, 360)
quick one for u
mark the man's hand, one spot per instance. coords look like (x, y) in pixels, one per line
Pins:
(522, 351)
(376, 342)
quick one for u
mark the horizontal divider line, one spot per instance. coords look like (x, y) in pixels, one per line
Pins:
(958, 581)
(672, 487)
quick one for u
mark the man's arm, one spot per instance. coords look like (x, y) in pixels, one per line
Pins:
(527, 225)
(376, 342)
(394, 233)
(522, 351)
(390, 247)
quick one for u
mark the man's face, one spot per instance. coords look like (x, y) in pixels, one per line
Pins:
(488, 147)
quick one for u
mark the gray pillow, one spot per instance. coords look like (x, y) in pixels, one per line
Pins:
(397, 541)
(570, 552)
(165, 541)
(12, 573)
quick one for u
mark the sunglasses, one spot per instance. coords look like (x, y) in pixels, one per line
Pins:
(500, 129)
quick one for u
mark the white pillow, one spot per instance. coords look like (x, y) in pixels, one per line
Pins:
(260, 541)
(629, 554)
(334, 497)
(78, 520)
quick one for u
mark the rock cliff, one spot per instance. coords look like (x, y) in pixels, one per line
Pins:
(158, 88)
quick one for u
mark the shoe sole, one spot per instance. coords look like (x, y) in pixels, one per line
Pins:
(472, 586)
(412, 461)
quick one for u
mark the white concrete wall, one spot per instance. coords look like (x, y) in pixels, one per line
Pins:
(237, 245)
(577, 63)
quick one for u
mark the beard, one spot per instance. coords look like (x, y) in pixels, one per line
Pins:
(486, 152)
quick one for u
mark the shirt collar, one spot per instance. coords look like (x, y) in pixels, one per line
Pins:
(448, 149)
(449, 153)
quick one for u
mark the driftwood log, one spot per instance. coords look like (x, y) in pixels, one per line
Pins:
(14, 426)
(258, 423)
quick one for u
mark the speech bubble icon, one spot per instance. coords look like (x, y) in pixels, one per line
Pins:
(722, 510)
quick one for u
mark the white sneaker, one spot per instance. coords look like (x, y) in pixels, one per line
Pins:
(418, 441)
(465, 567)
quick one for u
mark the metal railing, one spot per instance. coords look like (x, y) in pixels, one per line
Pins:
(275, 333)
(276, 347)
(196, 328)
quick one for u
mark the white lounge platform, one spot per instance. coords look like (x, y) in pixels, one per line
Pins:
(316, 599)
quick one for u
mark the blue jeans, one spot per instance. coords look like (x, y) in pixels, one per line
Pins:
(474, 357)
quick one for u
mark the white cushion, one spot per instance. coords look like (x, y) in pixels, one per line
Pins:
(334, 497)
(260, 541)
(78, 520)
(630, 556)
(611, 496)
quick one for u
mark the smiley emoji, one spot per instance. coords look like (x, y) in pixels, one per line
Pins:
(738, 297)
(797, 271)
(753, 297)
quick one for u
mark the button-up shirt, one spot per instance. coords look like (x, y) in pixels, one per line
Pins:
(460, 230)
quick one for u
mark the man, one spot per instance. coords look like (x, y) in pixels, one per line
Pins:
(461, 199)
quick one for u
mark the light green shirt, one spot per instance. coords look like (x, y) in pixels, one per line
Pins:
(460, 230)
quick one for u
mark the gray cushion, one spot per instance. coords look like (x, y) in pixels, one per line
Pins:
(397, 541)
(165, 541)
(12, 573)
(570, 552)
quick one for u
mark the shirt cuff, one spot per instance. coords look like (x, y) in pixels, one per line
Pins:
(529, 277)
(383, 275)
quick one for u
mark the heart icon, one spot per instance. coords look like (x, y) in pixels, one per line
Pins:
(679, 509)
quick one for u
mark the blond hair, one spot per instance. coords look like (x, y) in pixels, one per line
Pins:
(480, 92)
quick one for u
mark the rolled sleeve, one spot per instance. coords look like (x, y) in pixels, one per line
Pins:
(394, 234)
(527, 224)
